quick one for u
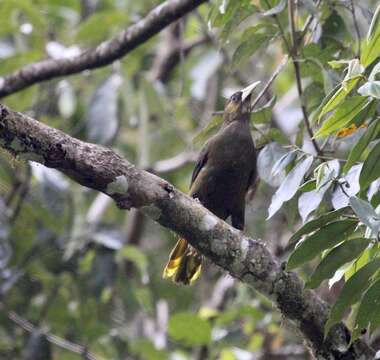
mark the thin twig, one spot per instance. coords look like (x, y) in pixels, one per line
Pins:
(293, 52)
(279, 68)
(341, 185)
(324, 157)
(53, 339)
(355, 20)
(294, 56)
(276, 18)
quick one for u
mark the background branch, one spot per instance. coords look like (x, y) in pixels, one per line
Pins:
(105, 53)
(53, 339)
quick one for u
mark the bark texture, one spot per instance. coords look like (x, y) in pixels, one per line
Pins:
(244, 258)
(105, 53)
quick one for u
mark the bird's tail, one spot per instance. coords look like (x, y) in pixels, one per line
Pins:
(184, 265)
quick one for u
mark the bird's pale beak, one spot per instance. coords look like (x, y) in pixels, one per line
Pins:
(248, 90)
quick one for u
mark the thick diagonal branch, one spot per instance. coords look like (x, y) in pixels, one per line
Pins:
(244, 258)
(105, 53)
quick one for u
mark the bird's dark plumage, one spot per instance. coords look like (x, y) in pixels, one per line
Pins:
(225, 170)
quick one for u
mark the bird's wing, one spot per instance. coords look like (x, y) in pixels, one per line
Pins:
(252, 182)
(252, 178)
(202, 160)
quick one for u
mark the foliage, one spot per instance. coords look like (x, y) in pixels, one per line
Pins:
(73, 263)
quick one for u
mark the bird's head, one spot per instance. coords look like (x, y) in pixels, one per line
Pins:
(239, 103)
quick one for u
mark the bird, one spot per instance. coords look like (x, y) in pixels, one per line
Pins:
(222, 176)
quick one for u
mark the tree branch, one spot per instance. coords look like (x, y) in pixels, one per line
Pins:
(105, 53)
(249, 260)
(53, 339)
(168, 53)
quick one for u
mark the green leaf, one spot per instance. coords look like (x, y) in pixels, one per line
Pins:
(375, 320)
(325, 238)
(234, 14)
(337, 64)
(336, 96)
(371, 46)
(375, 200)
(343, 115)
(189, 329)
(369, 309)
(317, 113)
(370, 88)
(316, 224)
(371, 167)
(336, 258)
(366, 213)
(227, 354)
(290, 185)
(351, 292)
(247, 48)
(307, 186)
(356, 152)
(368, 255)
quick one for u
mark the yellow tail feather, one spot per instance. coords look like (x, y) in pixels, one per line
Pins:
(175, 258)
(184, 265)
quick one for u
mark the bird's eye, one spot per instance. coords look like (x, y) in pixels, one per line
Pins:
(235, 98)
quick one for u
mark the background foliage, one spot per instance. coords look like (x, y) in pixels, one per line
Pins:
(74, 266)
